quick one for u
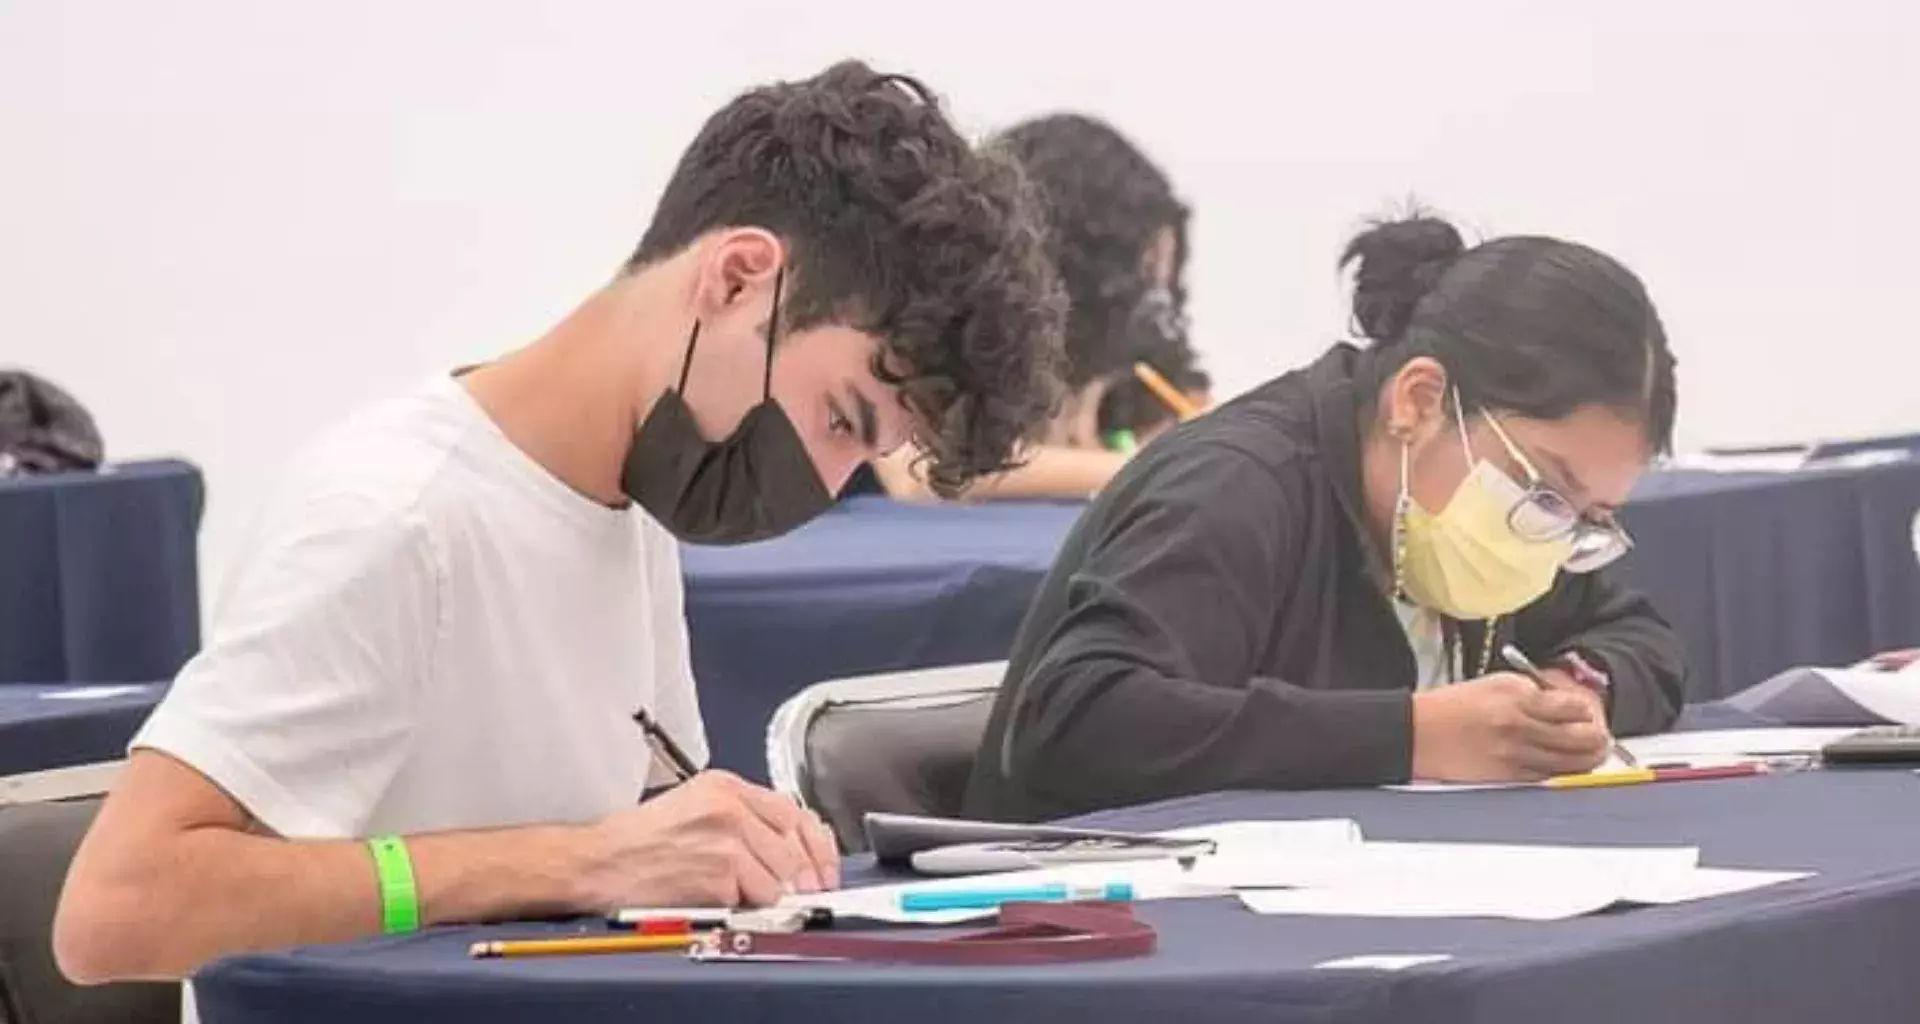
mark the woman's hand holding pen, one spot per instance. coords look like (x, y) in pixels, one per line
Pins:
(1505, 728)
(714, 840)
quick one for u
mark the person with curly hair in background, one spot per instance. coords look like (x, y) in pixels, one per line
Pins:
(418, 703)
(1117, 233)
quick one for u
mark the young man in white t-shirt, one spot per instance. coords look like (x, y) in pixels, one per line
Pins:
(417, 704)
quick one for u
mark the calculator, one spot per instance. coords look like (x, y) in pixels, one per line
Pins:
(1882, 744)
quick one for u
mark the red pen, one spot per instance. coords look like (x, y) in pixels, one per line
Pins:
(1640, 776)
(1682, 773)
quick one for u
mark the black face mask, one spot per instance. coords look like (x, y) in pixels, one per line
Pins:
(756, 483)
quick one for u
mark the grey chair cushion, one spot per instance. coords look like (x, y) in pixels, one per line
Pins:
(37, 842)
(874, 757)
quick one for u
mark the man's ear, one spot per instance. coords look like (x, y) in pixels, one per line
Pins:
(736, 266)
(1415, 404)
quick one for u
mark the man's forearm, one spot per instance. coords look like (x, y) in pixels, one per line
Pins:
(215, 892)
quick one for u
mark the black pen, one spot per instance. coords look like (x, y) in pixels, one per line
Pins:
(664, 747)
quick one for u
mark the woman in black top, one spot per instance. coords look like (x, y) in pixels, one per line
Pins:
(1309, 586)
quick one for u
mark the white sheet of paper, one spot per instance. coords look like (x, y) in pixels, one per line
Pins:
(88, 692)
(1705, 883)
(1894, 696)
(1156, 879)
(1441, 866)
(1681, 746)
(1382, 961)
(1525, 883)
(1256, 837)
(1404, 898)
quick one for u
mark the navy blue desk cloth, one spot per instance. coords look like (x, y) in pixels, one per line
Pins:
(59, 726)
(99, 579)
(1757, 572)
(1832, 947)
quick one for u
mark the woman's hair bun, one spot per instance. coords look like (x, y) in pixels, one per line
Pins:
(1396, 262)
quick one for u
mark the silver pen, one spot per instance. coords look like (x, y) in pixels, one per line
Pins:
(1518, 659)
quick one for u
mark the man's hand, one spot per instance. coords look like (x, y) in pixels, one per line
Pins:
(1505, 728)
(712, 841)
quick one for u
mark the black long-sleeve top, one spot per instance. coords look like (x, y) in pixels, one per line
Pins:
(1216, 620)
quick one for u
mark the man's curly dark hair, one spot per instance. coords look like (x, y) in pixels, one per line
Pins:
(895, 226)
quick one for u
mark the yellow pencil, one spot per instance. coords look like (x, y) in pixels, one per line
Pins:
(1591, 780)
(1162, 388)
(582, 945)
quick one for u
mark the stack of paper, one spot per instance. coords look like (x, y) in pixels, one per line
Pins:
(1327, 868)
(1152, 879)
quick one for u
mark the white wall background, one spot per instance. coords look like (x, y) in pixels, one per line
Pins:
(224, 223)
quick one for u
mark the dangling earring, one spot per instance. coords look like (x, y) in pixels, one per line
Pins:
(1400, 506)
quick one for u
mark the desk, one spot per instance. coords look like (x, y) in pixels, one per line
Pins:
(98, 574)
(1833, 947)
(1757, 572)
(44, 727)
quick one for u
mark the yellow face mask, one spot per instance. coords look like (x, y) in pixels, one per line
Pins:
(1466, 562)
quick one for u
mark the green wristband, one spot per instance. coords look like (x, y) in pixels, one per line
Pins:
(399, 897)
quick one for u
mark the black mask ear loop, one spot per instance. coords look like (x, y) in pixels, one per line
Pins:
(766, 380)
(773, 328)
(686, 361)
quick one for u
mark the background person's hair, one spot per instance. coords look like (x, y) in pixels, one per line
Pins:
(896, 226)
(1105, 203)
(1528, 325)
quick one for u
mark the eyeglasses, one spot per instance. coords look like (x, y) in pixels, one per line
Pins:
(1544, 514)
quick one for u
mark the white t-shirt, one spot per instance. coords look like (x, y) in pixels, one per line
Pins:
(431, 632)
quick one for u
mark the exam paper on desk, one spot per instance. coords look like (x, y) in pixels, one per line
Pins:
(1731, 744)
(1894, 696)
(1528, 883)
(1152, 879)
(1483, 896)
(1442, 864)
